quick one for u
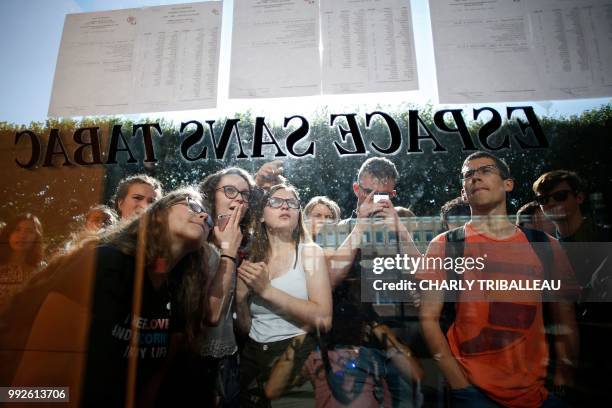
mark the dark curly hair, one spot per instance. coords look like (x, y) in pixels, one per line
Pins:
(210, 184)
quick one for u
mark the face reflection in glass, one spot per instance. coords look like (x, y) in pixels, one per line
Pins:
(23, 237)
(318, 216)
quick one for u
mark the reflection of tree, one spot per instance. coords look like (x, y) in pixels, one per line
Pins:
(427, 179)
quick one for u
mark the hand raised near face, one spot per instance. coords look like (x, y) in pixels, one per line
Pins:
(228, 238)
(387, 211)
(268, 171)
(369, 208)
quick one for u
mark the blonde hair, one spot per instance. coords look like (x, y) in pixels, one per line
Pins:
(329, 203)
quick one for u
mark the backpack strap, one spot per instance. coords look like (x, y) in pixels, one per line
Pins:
(456, 239)
(454, 248)
(457, 236)
(543, 250)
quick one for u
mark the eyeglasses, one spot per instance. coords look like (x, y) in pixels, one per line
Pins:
(482, 170)
(558, 196)
(277, 202)
(367, 191)
(197, 208)
(232, 192)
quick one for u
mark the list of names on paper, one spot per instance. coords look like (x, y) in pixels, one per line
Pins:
(275, 49)
(368, 46)
(138, 60)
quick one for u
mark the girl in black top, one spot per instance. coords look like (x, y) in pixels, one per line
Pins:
(99, 277)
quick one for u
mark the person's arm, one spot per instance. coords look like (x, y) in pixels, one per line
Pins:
(392, 219)
(341, 260)
(316, 311)
(399, 354)
(429, 316)
(283, 377)
(565, 341)
(218, 291)
(241, 307)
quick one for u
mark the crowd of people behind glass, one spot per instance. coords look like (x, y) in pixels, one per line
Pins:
(235, 293)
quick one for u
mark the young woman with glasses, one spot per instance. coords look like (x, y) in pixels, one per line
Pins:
(207, 374)
(85, 303)
(283, 290)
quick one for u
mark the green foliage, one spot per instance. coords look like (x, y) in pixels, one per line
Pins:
(427, 179)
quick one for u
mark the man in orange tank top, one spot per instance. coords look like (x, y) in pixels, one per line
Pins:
(495, 352)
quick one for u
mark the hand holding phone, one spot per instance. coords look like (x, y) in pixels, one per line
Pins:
(222, 221)
(380, 196)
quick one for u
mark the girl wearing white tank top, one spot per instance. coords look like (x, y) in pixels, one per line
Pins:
(282, 291)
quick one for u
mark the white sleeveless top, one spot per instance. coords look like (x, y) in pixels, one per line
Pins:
(268, 324)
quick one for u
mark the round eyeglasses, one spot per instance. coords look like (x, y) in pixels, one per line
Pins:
(232, 192)
(277, 202)
(197, 208)
(486, 170)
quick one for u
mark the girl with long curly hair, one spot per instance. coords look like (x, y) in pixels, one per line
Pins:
(207, 375)
(100, 279)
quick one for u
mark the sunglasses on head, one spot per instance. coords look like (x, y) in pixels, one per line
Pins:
(277, 202)
(558, 196)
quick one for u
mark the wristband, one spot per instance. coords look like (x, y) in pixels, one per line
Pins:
(231, 258)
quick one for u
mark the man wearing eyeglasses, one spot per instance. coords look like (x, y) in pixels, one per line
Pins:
(374, 189)
(560, 194)
(494, 352)
(355, 322)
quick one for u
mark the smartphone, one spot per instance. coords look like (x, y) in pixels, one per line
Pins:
(222, 221)
(380, 196)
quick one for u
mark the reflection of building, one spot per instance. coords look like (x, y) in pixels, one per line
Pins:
(380, 240)
(381, 235)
